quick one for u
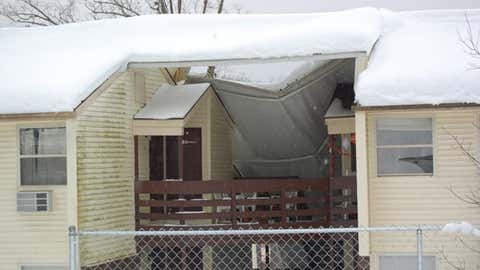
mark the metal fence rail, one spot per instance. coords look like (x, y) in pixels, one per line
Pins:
(323, 248)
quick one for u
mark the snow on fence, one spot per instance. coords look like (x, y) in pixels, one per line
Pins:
(416, 247)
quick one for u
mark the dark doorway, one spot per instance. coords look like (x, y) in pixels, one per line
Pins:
(192, 154)
(176, 157)
(192, 160)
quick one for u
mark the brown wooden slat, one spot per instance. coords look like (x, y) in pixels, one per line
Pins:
(246, 214)
(239, 186)
(183, 203)
(206, 203)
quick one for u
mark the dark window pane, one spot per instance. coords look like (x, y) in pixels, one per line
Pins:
(404, 131)
(43, 171)
(404, 160)
(404, 137)
(42, 141)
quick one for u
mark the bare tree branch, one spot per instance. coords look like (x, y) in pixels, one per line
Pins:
(114, 8)
(170, 2)
(472, 197)
(54, 12)
(220, 7)
(449, 262)
(35, 12)
(205, 5)
(471, 41)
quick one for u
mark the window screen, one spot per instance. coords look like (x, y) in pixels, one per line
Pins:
(404, 146)
(43, 156)
(406, 263)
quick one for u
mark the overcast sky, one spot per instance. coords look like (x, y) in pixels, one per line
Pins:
(268, 6)
(285, 6)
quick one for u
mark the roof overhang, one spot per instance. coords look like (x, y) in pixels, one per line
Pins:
(143, 127)
(53, 116)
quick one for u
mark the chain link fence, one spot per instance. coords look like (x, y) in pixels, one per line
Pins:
(329, 249)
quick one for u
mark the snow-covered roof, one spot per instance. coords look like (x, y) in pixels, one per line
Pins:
(173, 102)
(419, 59)
(52, 69)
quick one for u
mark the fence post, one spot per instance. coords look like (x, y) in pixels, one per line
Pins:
(419, 249)
(72, 247)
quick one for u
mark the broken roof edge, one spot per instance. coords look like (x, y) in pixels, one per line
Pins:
(253, 60)
(102, 84)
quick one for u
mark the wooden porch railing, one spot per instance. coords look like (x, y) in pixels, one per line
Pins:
(248, 203)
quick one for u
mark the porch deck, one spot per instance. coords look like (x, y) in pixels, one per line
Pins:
(246, 203)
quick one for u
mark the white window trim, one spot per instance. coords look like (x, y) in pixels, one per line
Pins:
(404, 116)
(21, 187)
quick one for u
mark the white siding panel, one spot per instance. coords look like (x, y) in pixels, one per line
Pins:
(23, 236)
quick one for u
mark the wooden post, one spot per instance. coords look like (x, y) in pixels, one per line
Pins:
(283, 207)
(328, 201)
(180, 168)
(233, 206)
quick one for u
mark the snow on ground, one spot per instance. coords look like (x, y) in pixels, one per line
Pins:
(419, 59)
(52, 69)
(462, 228)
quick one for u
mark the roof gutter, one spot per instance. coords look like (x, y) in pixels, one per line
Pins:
(48, 115)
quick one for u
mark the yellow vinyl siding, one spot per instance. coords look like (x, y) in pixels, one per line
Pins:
(221, 142)
(153, 80)
(410, 200)
(143, 146)
(28, 238)
(105, 166)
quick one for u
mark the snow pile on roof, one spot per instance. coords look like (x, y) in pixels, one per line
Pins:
(268, 76)
(50, 69)
(173, 102)
(419, 59)
(463, 228)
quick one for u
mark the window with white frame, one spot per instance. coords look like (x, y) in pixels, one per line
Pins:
(404, 146)
(43, 159)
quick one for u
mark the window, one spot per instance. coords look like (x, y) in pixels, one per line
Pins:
(405, 262)
(404, 146)
(43, 158)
